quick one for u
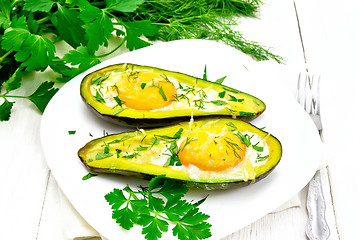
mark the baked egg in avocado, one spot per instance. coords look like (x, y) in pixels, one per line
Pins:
(133, 95)
(210, 154)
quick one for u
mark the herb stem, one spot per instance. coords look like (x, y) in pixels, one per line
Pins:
(12, 96)
(112, 51)
(5, 55)
(44, 19)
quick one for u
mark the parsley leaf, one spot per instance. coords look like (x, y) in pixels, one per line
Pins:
(156, 206)
(123, 5)
(14, 82)
(135, 30)
(5, 110)
(14, 37)
(69, 25)
(66, 73)
(38, 5)
(98, 27)
(42, 95)
(5, 10)
(36, 53)
(82, 57)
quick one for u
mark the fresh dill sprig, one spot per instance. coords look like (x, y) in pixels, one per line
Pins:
(203, 19)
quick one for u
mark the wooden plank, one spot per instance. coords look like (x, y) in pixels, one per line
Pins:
(23, 174)
(332, 46)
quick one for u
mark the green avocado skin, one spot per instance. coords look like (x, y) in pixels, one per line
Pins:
(116, 165)
(248, 109)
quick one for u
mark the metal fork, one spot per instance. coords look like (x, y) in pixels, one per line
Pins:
(308, 90)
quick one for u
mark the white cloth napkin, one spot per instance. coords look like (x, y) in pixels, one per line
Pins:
(61, 221)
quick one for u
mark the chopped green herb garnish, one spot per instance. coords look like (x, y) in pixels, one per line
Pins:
(161, 91)
(245, 139)
(219, 102)
(235, 147)
(117, 111)
(141, 148)
(143, 85)
(257, 148)
(98, 97)
(154, 141)
(118, 101)
(205, 73)
(174, 159)
(124, 138)
(231, 125)
(165, 77)
(89, 175)
(118, 151)
(234, 99)
(187, 141)
(130, 156)
(199, 103)
(102, 155)
(106, 149)
(71, 132)
(90, 134)
(247, 113)
(260, 158)
(220, 80)
(222, 94)
(175, 137)
(230, 89)
(99, 79)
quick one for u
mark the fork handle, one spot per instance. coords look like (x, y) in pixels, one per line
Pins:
(316, 227)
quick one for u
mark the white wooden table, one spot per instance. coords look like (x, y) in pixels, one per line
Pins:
(330, 32)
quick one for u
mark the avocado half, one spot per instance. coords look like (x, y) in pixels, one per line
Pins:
(182, 97)
(157, 151)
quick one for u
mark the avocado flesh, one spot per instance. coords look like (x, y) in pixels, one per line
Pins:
(145, 153)
(194, 98)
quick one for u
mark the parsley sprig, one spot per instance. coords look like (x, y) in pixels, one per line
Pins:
(157, 207)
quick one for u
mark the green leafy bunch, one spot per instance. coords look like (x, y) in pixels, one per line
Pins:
(156, 207)
(30, 29)
(203, 19)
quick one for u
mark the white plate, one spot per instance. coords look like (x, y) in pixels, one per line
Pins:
(229, 210)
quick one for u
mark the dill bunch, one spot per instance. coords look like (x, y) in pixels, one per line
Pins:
(202, 19)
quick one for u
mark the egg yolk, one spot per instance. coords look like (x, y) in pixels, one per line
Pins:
(145, 90)
(212, 150)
